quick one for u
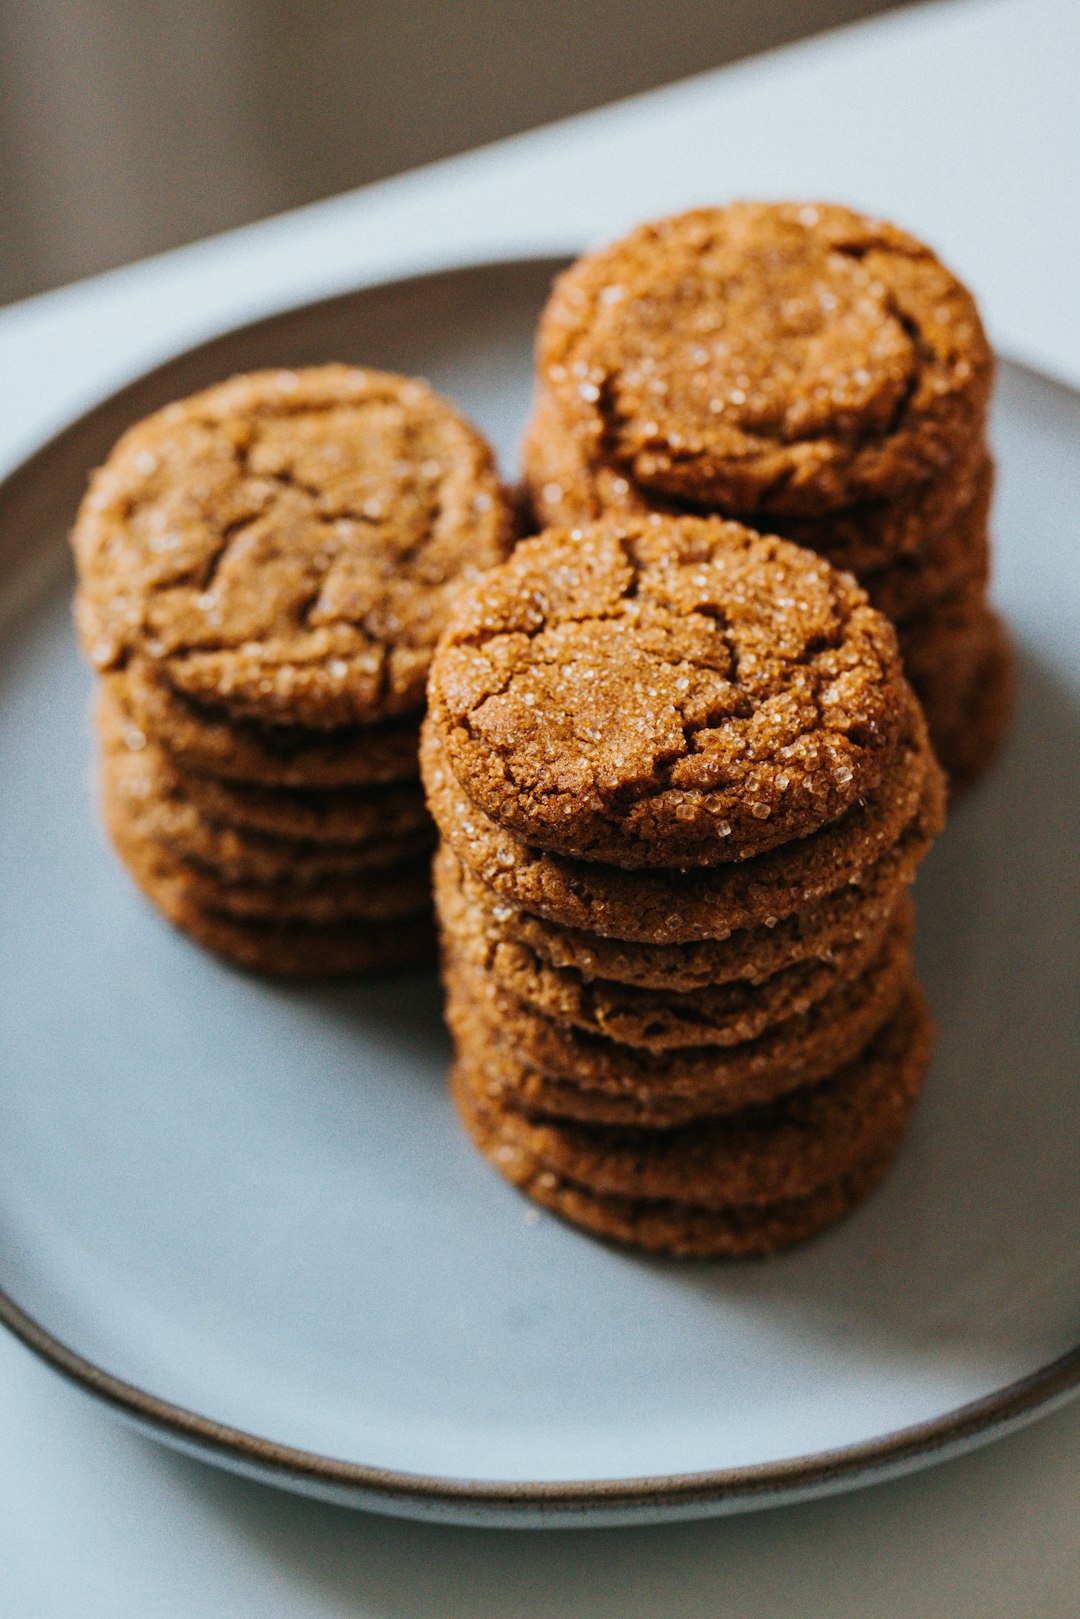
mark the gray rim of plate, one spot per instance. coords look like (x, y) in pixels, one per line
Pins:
(384, 1489)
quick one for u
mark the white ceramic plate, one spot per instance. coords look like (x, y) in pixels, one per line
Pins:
(243, 1215)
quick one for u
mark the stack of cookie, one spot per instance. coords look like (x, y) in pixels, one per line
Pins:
(263, 571)
(682, 787)
(814, 373)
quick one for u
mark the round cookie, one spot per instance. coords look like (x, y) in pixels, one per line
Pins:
(284, 545)
(945, 647)
(297, 950)
(657, 907)
(176, 885)
(678, 1229)
(969, 739)
(565, 489)
(316, 815)
(654, 1020)
(322, 815)
(787, 1149)
(665, 692)
(672, 1226)
(954, 560)
(749, 954)
(767, 357)
(802, 1050)
(143, 791)
(205, 740)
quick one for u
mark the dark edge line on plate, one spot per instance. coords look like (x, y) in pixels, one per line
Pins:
(1051, 1385)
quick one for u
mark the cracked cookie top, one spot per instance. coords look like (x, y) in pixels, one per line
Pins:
(284, 546)
(767, 357)
(665, 692)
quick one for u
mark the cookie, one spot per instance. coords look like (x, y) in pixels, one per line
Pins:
(142, 790)
(968, 741)
(206, 740)
(671, 907)
(283, 546)
(326, 815)
(567, 489)
(679, 1229)
(654, 1020)
(954, 560)
(317, 815)
(749, 954)
(768, 357)
(800, 1051)
(945, 646)
(177, 885)
(767, 1154)
(666, 692)
(297, 950)
(679, 1225)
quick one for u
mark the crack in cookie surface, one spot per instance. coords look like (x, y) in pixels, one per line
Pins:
(666, 692)
(767, 357)
(285, 545)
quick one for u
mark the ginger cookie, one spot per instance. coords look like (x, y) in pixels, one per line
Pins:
(671, 907)
(206, 740)
(679, 1229)
(945, 646)
(283, 546)
(668, 692)
(566, 490)
(767, 357)
(143, 791)
(317, 815)
(969, 730)
(956, 559)
(800, 1051)
(300, 950)
(314, 815)
(767, 1154)
(177, 885)
(654, 1020)
(678, 1225)
(750, 954)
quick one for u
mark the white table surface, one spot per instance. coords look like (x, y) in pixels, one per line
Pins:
(958, 120)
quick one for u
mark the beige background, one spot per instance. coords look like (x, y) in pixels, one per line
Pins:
(127, 126)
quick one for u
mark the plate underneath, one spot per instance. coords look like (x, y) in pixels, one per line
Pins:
(252, 1202)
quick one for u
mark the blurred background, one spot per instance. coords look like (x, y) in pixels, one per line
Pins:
(129, 126)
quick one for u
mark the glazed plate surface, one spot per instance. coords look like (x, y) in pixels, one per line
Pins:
(244, 1216)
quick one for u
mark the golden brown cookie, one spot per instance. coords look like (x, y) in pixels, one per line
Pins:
(671, 907)
(970, 729)
(665, 692)
(954, 559)
(765, 1154)
(206, 740)
(682, 1226)
(654, 1020)
(297, 949)
(142, 790)
(283, 546)
(749, 954)
(316, 815)
(566, 489)
(767, 357)
(177, 885)
(945, 647)
(800, 1051)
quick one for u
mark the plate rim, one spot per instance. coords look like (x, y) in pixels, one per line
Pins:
(390, 1489)
(586, 1501)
